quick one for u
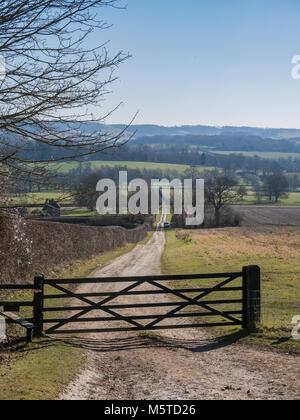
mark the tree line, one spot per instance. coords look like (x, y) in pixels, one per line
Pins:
(221, 190)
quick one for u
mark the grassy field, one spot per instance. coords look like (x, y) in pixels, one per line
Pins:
(264, 155)
(292, 199)
(168, 167)
(276, 251)
(77, 212)
(41, 370)
(41, 197)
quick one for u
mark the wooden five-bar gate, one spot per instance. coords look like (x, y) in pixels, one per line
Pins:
(244, 312)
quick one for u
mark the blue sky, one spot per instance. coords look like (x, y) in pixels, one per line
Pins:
(216, 62)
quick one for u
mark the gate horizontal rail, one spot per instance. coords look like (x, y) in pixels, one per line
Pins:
(143, 292)
(11, 309)
(140, 317)
(138, 305)
(143, 278)
(16, 303)
(16, 286)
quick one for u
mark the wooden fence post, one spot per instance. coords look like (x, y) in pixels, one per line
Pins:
(251, 298)
(245, 309)
(38, 305)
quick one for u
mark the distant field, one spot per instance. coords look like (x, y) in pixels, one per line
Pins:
(40, 198)
(264, 216)
(79, 212)
(265, 155)
(168, 167)
(293, 199)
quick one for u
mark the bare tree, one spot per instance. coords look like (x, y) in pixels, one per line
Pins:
(52, 78)
(221, 192)
(276, 185)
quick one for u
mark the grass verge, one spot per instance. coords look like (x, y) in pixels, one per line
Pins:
(228, 250)
(42, 369)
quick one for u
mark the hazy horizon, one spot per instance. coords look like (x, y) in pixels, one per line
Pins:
(205, 125)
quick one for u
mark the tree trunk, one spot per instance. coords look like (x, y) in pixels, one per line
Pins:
(217, 217)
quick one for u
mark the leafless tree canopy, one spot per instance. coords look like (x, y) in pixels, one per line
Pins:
(52, 77)
(220, 192)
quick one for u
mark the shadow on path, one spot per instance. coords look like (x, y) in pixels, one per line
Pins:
(149, 341)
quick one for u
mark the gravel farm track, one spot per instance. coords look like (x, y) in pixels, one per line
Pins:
(175, 364)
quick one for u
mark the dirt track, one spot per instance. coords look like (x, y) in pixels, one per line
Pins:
(175, 364)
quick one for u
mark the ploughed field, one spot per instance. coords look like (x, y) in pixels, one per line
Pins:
(269, 216)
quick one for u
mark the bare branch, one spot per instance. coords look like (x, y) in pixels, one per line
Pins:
(52, 78)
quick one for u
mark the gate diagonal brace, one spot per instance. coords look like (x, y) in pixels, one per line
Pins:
(95, 306)
(191, 301)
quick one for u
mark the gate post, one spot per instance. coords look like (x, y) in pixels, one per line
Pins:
(38, 305)
(251, 298)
